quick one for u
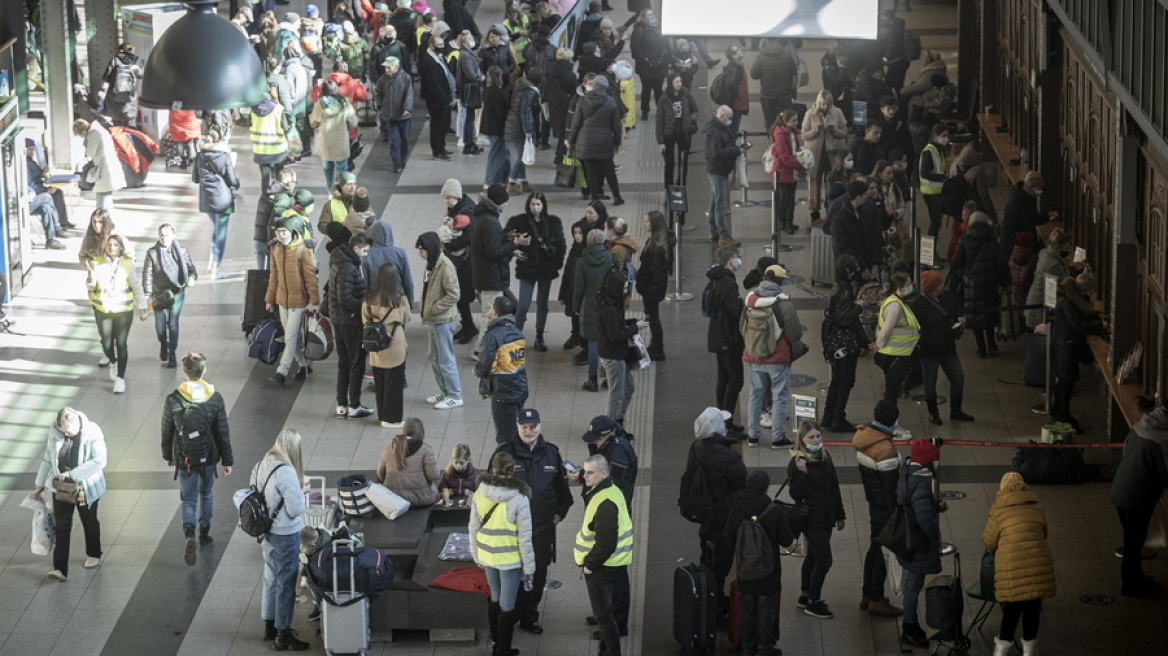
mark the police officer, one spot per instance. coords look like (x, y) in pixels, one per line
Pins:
(538, 463)
(604, 548)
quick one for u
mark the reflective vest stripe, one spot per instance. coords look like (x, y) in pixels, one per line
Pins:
(497, 540)
(338, 210)
(114, 300)
(904, 338)
(932, 187)
(586, 538)
(267, 134)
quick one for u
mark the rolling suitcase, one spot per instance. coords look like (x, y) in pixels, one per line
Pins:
(695, 608)
(822, 258)
(345, 625)
(1035, 374)
(253, 299)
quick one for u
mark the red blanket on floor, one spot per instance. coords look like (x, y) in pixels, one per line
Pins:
(463, 579)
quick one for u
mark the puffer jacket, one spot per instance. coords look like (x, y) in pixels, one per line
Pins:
(915, 488)
(395, 95)
(91, 461)
(497, 55)
(593, 265)
(545, 254)
(490, 249)
(520, 119)
(1143, 471)
(293, 282)
(190, 397)
(1016, 529)
(722, 335)
(747, 504)
(332, 118)
(596, 126)
(461, 485)
(768, 296)
(1051, 261)
(721, 152)
(418, 482)
(347, 287)
(879, 464)
(269, 207)
(676, 115)
(515, 497)
(787, 143)
(817, 488)
(776, 72)
(216, 177)
(983, 274)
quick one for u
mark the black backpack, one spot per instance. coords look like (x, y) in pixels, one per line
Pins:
(254, 518)
(697, 506)
(709, 308)
(753, 552)
(374, 336)
(192, 445)
(124, 83)
(538, 62)
(720, 91)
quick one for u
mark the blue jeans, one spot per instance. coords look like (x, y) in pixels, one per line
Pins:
(593, 357)
(518, 168)
(195, 488)
(281, 562)
(913, 582)
(399, 140)
(218, 234)
(498, 162)
(778, 376)
(817, 563)
(719, 203)
(504, 584)
(441, 358)
(166, 322)
(332, 170)
(50, 219)
(542, 289)
(756, 615)
(260, 248)
(105, 199)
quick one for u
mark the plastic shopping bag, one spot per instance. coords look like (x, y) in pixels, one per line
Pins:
(44, 532)
(529, 152)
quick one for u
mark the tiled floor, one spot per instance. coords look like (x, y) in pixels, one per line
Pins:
(143, 600)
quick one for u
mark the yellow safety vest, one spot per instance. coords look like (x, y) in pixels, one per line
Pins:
(497, 540)
(586, 538)
(905, 339)
(932, 187)
(267, 133)
(337, 210)
(115, 294)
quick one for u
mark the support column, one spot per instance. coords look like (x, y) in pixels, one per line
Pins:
(1125, 325)
(12, 21)
(101, 30)
(55, 40)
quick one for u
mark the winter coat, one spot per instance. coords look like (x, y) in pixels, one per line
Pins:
(1143, 470)
(515, 497)
(866, 154)
(736, 79)
(437, 80)
(843, 314)
(462, 485)
(557, 90)
(1022, 264)
(273, 132)
(520, 120)
(614, 331)
(498, 55)
(593, 266)
(496, 106)
(722, 334)
(89, 474)
(502, 364)
(650, 51)
(215, 174)
(676, 115)
(725, 474)
(169, 270)
(395, 355)
(545, 254)
(817, 488)
(1021, 215)
(622, 464)
(299, 72)
(455, 14)
(879, 465)
(106, 172)
(655, 266)
(1016, 530)
(936, 317)
(395, 96)
(440, 293)
(347, 287)
(184, 126)
(785, 314)
(123, 107)
(1073, 321)
(721, 151)
(351, 89)
(915, 488)
(596, 126)
(180, 406)
(332, 118)
(356, 202)
(983, 273)
(746, 504)
(860, 238)
(292, 283)
(919, 89)
(816, 133)
(787, 143)
(490, 249)
(382, 251)
(418, 482)
(384, 49)
(469, 78)
(542, 469)
(1050, 261)
(776, 72)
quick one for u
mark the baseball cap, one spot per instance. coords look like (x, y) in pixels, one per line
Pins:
(528, 416)
(602, 426)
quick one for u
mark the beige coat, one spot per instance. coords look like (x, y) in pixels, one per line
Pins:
(821, 125)
(395, 355)
(919, 89)
(1023, 567)
(440, 293)
(418, 482)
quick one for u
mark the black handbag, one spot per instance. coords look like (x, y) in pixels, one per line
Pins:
(162, 300)
(356, 147)
(987, 573)
(66, 490)
(901, 535)
(566, 176)
(796, 512)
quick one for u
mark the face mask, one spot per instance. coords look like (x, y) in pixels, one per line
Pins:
(736, 264)
(653, 23)
(727, 122)
(849, 164)
(814, 447)
(284, 238)
(909, 290)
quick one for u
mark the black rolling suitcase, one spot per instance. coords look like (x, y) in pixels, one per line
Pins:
(1035, 372)
(695, 608)
(253, 300)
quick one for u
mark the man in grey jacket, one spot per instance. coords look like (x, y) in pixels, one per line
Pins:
(395, 99)
(721, 155)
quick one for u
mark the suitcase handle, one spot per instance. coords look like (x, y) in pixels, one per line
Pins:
(352, 556)
(308, 494)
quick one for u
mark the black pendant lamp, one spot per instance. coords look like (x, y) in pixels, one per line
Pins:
(203, 62)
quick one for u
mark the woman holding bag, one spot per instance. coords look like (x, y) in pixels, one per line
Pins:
(824, 132)
(166, 275)
(785, 134)
(75, 457)
(215, 174)
(814, 483)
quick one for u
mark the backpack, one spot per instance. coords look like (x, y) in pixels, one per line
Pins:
(709, 308)
(761, 331)
(318, 336)
(941, 100)
(720, 91)
(699, 504)
(754, 554)
(374, 337)
(912, 45)
(193, 442)
(254, 518)
(124, 83)
(770, 161)
(265, 342)
(538, 63)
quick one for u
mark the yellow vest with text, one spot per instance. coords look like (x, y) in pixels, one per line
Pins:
(267, 133)
(586, 538)
(497, 540)
(904, 339)
(932, 187)
(119, 295)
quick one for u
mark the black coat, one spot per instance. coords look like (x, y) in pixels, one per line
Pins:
(721, 151)
(520, 120)
(458, 250)
(557, 89)
(983, 273)
(435, 85)
(819, 490)
(850, 235)
(1143, 471)
(650, 51)
(458, 18)
(653, 274)
(156, 279)
(747, 504)
(496, 105)
(670, 126)
(500, 56)
(866, 155)
(1021, 215)
(568, 283)
(347, 287)
(722, 335)
(545, 253)
(542, 468)
(596, 126)
(843, 314)
(937, 318)
(622, 464)
(725, 474)
(776, 72)
(615, 331)
(490, 250)
(1073, 322)
(214, 411)
(217, 180)
(914, 487)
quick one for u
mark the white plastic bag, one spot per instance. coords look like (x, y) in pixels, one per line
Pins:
(387, 501)
(895, 577)
(623, 70)
(529, 152)
(44, 532)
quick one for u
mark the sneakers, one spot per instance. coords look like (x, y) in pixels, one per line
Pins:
(437, 398)
(752, 442)
(91, 563)
(103, 362)
(590, 385)
(448, 404)
(120, 386)
(220, 274)
(803, 602)
(901, 433)
(57, 575)
(113, 370)
(278, 379)
(781, 442)
(342, 411)
(764, 420)
(359, 412)
(55, 245)
(191, 555)
(819, 609)
(390, 424)
(314, 616)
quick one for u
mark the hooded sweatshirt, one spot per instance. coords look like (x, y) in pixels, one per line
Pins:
(382, 251)
(514, 498)
(196, 405)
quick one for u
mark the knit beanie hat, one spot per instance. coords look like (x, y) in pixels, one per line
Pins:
(758, 481)
(497, 194)
(290, 223)
(924, 452)
(1033, 181)
(452, 188)
(600, 82)
(930, 281)
(461, 221)
(346, 177)
(886, 413)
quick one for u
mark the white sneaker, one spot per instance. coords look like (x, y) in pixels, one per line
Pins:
(90, 563)
(103, 362)
(56, 575)
(387, 424)
(360, 412)
(448, 404)
(437, 398)
(764, 420)
(461, 143)
(113, 371)
(120, 386)
(901, 433)
(342, 411)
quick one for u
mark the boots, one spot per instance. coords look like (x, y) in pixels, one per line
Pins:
(1001, 647)
(205, 538)
(504, 632)
(190, 556)
(591, 385)
(539, 346)
(269, 629)
(286, 640)
(1030, 647)
(913, 635)
(493, 620)
(934, 415)
(572, 342)
(955, 410)
(883, 608)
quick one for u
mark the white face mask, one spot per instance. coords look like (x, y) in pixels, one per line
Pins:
(471, 44)
(849, 164)
(284, 237)
(909, 290)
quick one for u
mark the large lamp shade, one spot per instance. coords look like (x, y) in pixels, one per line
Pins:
(203, 62)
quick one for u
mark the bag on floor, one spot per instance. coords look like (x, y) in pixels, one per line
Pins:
(1057, 432)
(387, 501)
(351, 490)
(317, 336)
(695, 608)
(266, 341)
(1046, 466)
(320, 510)
(255, 309)
(44, 531)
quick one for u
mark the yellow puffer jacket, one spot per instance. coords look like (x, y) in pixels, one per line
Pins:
(1016, 527)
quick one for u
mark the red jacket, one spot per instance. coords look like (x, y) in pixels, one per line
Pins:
(184, 126)
(350, 88)
(787, 142)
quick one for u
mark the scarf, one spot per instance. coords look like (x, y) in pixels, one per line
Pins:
(172, 261)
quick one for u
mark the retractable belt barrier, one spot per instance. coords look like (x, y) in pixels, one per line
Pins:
(1028, 445)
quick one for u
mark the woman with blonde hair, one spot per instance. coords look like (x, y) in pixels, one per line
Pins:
(408, 466)
(1023, 567)
(824, 132)
(280, 477)
(114, 291)
(815, 484)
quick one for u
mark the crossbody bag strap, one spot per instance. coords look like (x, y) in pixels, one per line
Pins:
(264, 489)
(487, 517)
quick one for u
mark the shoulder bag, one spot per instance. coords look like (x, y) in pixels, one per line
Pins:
(66, 490)
(796, 512)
